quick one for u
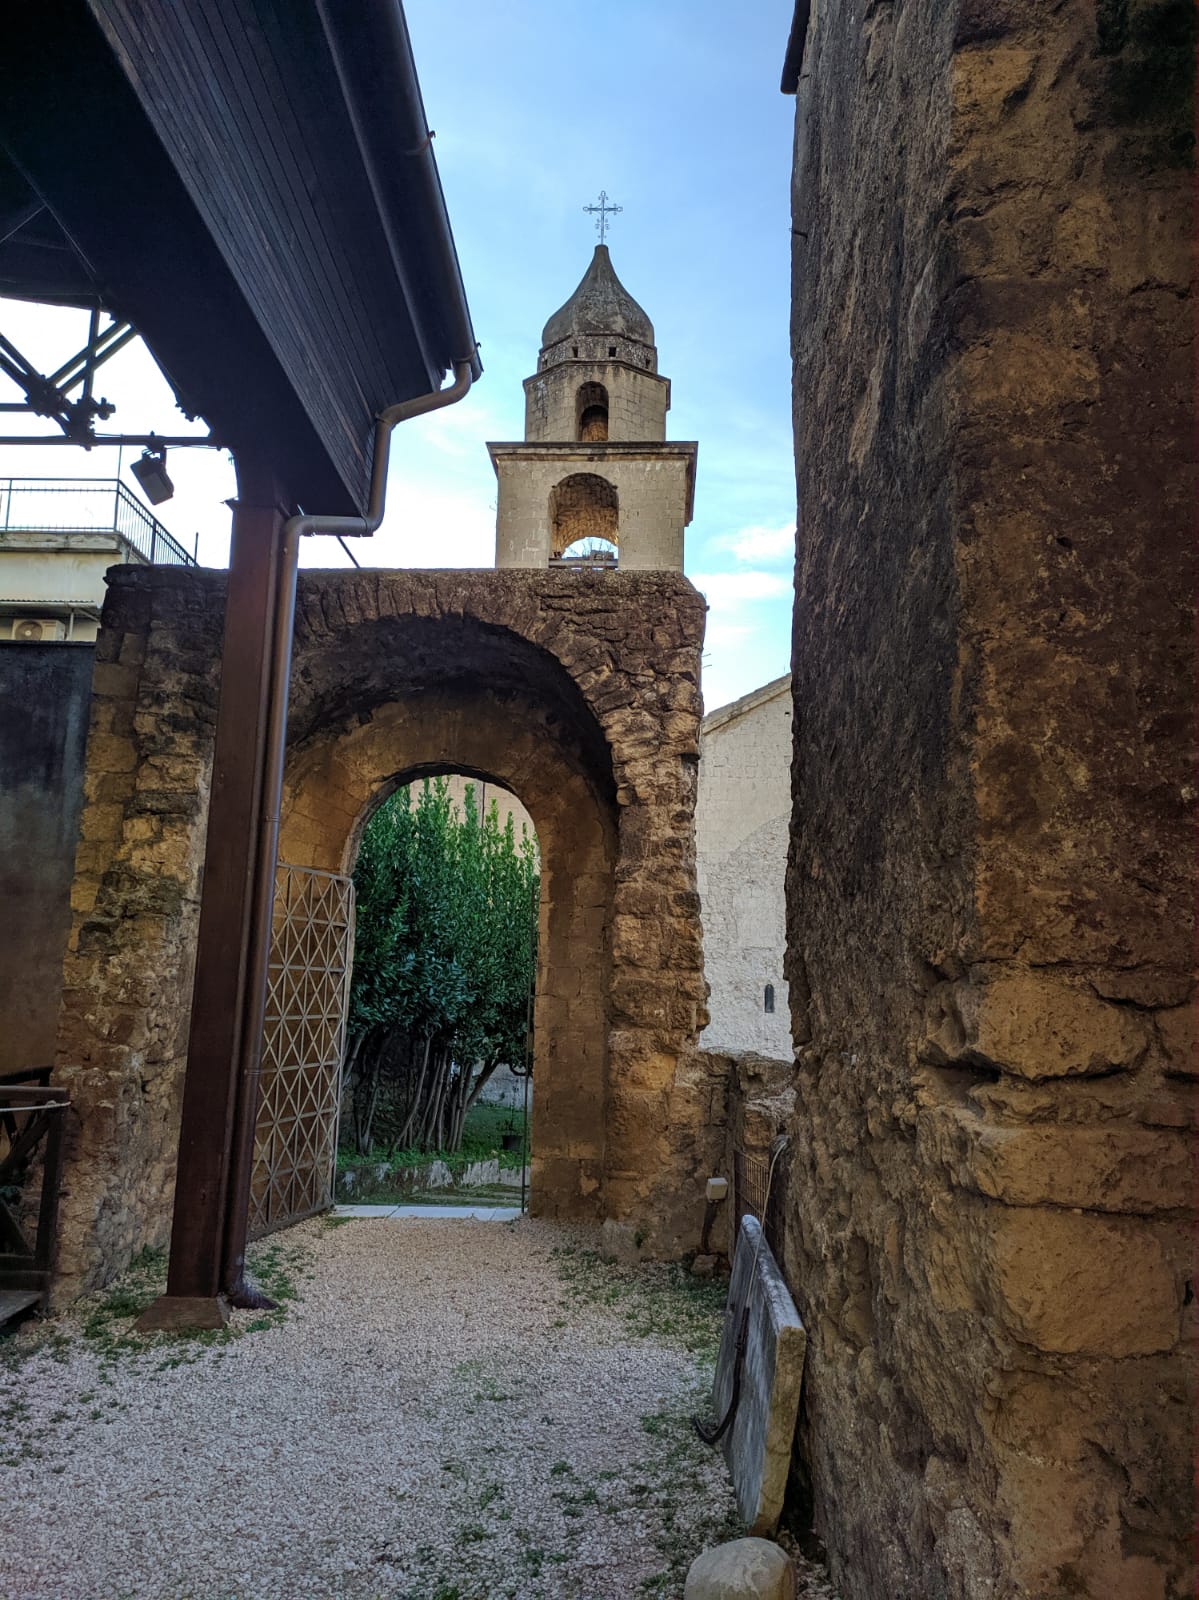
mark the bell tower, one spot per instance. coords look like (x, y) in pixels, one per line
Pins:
(595, 483)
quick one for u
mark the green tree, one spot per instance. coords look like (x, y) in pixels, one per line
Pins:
(444, 963)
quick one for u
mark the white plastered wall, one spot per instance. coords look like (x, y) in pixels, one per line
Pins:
(742, 817)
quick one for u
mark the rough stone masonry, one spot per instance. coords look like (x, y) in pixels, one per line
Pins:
(990, 905)
(578, 691)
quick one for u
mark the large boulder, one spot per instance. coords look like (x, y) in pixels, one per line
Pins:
(745, 1569)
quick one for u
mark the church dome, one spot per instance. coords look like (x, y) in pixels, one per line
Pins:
(601, 304)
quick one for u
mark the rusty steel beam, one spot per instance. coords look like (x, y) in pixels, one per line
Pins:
(220, 1099)
(258, 956)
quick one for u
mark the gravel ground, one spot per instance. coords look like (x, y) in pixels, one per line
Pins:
(440, 1411)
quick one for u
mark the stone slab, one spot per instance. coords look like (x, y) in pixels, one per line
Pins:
(757, 1446)
(15, 1302)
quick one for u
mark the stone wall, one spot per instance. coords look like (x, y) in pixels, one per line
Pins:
(654, 484)
(45, 693)
(488, 794)
(122, 1034)
(742, 819)
(989, 903)
(577, 691)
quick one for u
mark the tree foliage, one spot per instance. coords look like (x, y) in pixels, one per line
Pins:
(444, 962)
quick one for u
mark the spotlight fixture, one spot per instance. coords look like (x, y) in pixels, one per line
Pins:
(151, 472)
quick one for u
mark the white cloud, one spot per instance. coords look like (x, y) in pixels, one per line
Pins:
(734, 589)
(760, 543)
(747, 638)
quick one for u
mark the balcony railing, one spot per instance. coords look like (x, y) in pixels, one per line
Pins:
(596, 561)
(87, 505)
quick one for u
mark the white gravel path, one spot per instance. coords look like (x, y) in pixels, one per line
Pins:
(448, 1411)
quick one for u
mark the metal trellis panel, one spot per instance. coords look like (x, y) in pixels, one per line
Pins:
(303, 1044)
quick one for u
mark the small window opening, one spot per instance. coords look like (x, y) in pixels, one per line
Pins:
(574, 349)
(591, 404)
(611, 349)
(768, 998)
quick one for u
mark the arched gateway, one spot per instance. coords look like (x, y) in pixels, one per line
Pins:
(409, 696)
(577, 690)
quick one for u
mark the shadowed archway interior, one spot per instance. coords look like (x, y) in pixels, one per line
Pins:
(423, 697)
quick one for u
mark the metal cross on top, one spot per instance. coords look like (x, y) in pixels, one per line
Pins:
(605, 211)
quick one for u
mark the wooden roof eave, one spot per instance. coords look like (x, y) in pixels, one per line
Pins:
(214, 280)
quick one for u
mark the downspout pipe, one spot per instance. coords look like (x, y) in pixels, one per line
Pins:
(385, 423)
(249, 1073)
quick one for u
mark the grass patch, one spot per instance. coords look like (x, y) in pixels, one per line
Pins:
(380, 1176)
(653, 1300)
(678, 1492)
(103, 1323)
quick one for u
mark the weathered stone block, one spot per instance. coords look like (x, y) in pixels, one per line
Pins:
(1178, 1035)
(1040, 1027)
(1116, 1167)
(107, 752)
(1071, 1283)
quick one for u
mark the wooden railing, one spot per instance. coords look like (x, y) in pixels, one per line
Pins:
(32, 1124)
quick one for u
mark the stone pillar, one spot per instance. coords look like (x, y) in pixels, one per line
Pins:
(989, 886)
(122, 1032)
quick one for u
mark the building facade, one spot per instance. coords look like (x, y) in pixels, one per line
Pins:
(742, 815)
(595, 481)
(58, 537)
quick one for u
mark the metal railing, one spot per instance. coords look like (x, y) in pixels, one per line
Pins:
(760, 1188)
(598, 562)
(32, 1124)
(88, 505)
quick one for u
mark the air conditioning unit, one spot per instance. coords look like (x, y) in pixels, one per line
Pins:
(37, 630)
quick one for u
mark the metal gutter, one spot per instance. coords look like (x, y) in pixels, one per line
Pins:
(372, 53)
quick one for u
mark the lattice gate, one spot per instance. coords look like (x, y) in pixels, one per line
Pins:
(303, 1042)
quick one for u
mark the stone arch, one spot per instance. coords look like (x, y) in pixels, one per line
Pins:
(591, 413)
(500, 710)
(584, 701)
(583, 506)
(587, 708)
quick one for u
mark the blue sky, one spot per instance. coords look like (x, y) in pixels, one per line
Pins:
(674, 109)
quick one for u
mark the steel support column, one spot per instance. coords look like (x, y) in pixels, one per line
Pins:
(220, 1099)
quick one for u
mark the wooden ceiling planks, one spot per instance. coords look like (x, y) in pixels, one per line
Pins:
(296, 226)
(233, 214)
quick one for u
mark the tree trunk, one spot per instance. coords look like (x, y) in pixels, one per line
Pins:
(366, 1096)
(415, 1105)
(481, 1082)
(432, 1130)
